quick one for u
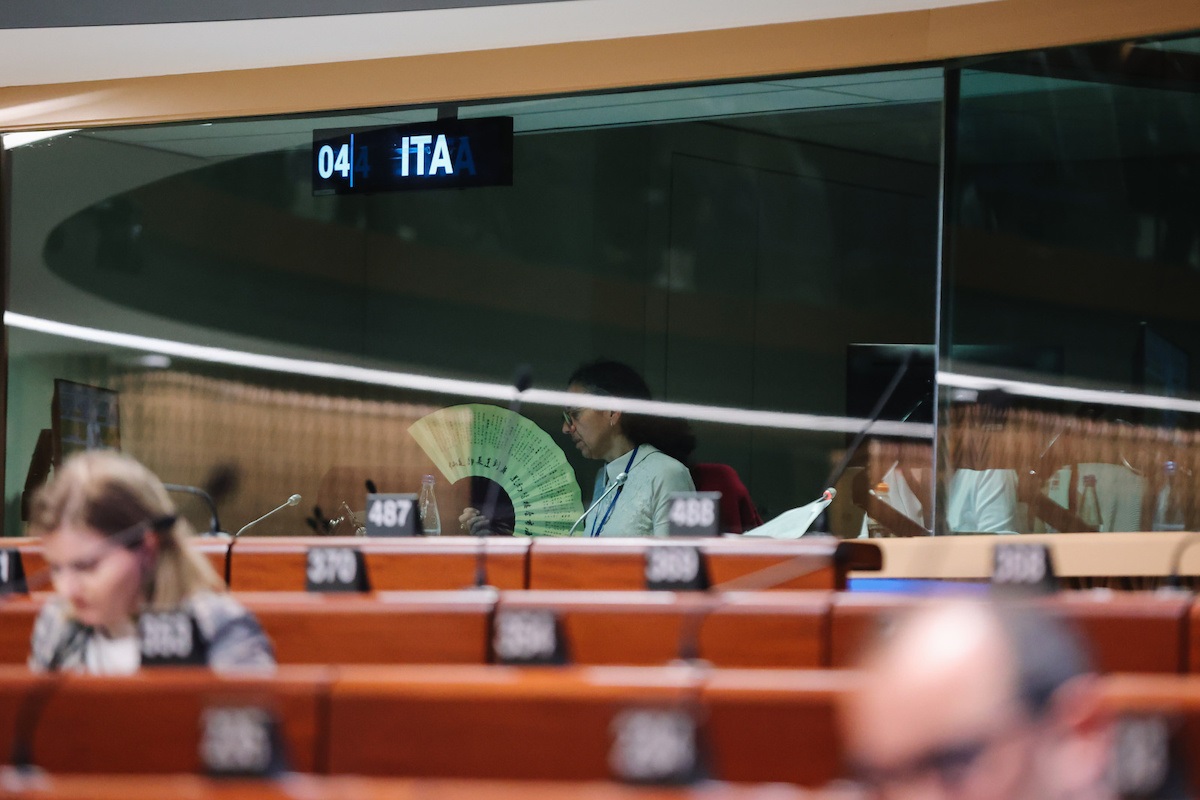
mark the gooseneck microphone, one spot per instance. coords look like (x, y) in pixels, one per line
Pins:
(872, 418)
(215, 522)
(1187, 542)
(795, 567)
(617, 483)
(291, 501)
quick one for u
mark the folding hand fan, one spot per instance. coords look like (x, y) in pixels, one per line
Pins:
(470, 441)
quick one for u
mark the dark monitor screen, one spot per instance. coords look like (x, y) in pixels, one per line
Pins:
(870, 369)
(83, 418)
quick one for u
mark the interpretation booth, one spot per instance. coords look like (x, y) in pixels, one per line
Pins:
(573, 391)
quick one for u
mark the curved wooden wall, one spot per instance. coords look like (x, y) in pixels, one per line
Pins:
(740, 53)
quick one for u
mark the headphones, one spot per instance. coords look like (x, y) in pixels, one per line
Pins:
(134, 536)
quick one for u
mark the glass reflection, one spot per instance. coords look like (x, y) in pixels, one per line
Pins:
(714, 238)
(1073, 264)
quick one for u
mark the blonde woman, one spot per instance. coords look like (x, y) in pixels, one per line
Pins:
(116, 548)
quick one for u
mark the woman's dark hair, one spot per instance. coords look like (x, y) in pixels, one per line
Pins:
(611, 378)
(672, 436)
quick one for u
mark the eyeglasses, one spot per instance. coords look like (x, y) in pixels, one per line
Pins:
(951, 765)
(571, 416)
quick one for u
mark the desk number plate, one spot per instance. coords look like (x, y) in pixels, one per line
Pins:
(336, 569)
(655, 745)
(12, 572)
(1023, 565)
(675, 568)
(695, 514)
(528, 636)
(392, 515)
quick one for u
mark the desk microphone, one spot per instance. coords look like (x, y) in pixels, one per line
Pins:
(776, 574)
(291, 501)
(221, 481)
(618, 482)
(214, 523)
(796, 522)
(1186, 542)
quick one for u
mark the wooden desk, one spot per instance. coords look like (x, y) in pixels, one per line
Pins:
(1129, 631)
(774, 725)
(619, 563)
(1141, 557)
(496, 722)
(195, 787)
(30, 548)
(16, 626)
(150, 722)
(1126, 631)
(1194, 639)
(384, 628)
(736, 629)
(381, 628)
(37, 575)
(393, 564)
(493, 722)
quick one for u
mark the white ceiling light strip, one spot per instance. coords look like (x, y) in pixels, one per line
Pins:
(463, 388)
(1049, 391)
(18, 139)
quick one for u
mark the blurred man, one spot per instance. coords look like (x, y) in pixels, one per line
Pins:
(978, 701)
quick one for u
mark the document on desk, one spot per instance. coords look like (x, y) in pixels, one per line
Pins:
(795, 523)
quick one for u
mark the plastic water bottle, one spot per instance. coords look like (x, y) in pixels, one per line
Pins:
(875, 530)
(1089, 504)
(1168, 513)
(431, 520)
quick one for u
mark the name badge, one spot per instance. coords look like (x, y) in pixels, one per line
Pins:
(695, 514)
(12, 572)
(241, 742)
(171, 639)
(675, 568)
(655, 746)
(528, 636)
(336, 569)
(1023, 566)
(392, 515)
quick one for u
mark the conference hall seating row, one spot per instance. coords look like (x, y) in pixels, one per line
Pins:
(451, 562)
(1127, 632)
(479, 722)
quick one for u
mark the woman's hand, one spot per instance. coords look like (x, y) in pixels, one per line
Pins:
(473, 523)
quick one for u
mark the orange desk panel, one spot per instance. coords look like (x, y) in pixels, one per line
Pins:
(734, 629)
(150, 722)
(1125, 631)
(393, 564)
(37, 575)
(619, 563)
(195, 787)
(489, 722)
(384, 628)
(17, 615)
(767, 725)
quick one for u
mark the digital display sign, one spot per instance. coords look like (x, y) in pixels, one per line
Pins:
(446, 154)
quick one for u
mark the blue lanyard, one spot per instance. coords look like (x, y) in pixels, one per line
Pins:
(613, 502)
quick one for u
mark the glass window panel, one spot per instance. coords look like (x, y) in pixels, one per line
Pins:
(735, 244)
(1073, 271)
